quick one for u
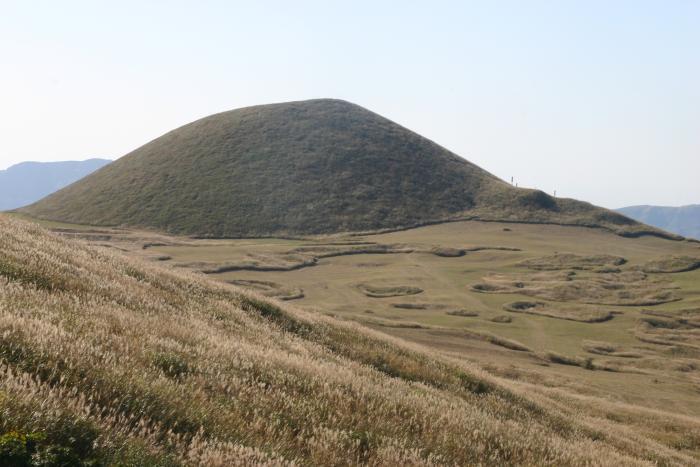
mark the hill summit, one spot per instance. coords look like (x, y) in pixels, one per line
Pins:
(308, 167)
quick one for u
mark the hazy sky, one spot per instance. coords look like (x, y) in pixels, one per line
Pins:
(599, 100)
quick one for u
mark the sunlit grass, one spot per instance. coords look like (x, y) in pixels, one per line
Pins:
(112, 359)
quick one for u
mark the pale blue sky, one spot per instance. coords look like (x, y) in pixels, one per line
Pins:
(599, 100)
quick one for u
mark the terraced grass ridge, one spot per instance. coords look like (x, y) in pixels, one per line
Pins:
(309, 167)
(108, 360)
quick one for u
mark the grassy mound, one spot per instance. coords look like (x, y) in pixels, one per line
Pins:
(570, 261)
(307, 167)
(465, 313)
(379, 291)
(254, 262)
(331, 250)
(270, 289)
(628, 288)
(608, 349)
(502, 319)
(296, 258)
(108, 360)
(561, 311)
(681, 328)
(411, 306)
(672, 264)
(447, 252)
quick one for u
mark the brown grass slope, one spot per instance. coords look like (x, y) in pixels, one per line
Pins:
(108, 360)
(307, 167)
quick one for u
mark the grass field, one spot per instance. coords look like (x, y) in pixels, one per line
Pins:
(334, 286)
(631, 375)
(110, 359)
(427, 297)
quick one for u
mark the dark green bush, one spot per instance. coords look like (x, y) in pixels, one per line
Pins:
(16, 449)
(56, 456)
(19, 449)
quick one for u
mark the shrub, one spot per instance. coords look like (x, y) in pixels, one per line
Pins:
(32, 450)
(16, 449)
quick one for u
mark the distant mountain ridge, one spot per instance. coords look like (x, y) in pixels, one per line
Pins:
(309, 167)
(682, 220)
(28, 182)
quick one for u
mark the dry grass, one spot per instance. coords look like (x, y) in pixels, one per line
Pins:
(502, 319)
(364, 248)
(293, 259)
(680, 330)
(449, 252)
(128, 363)
(411, 306)
(392, 323)
(270, 289)
(254, 262)
(561, 261)
(627, 288)
(510, 344)
(380, 291)
(608, 349)
(566, 360)
(331, 288)
(465, 313)
(561, 311)
(672, 264)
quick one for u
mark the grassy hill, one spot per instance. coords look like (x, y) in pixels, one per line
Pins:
(105, 359)
(309, 167)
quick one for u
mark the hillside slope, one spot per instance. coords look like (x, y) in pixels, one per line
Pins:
(683, 220)
(25, 183)
(108, 359)
(319, 166)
